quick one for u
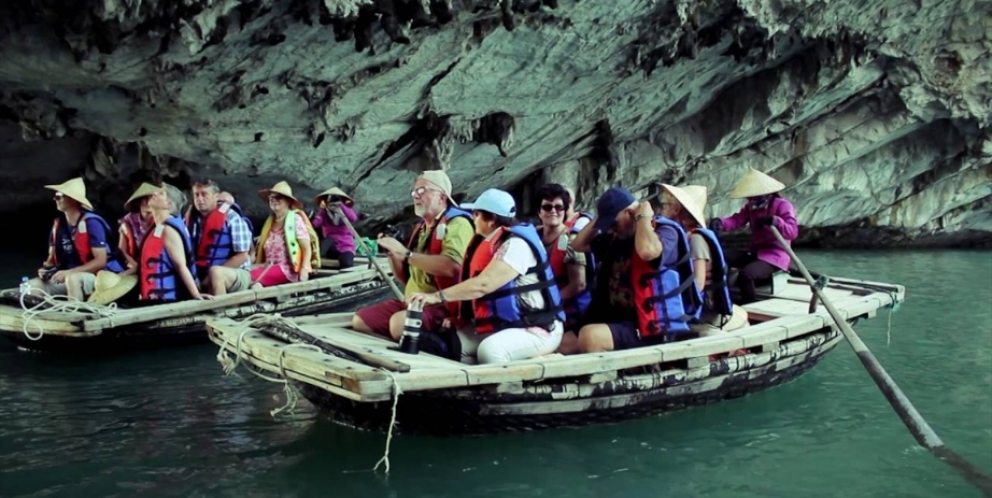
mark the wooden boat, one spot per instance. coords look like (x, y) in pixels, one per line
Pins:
(104, 329)
(353, 378)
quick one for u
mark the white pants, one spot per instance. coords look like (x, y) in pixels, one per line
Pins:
(510, 344)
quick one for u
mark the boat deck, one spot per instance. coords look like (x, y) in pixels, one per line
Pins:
(374, 367)
(326, 287)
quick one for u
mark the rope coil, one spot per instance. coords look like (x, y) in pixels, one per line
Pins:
(52, 304)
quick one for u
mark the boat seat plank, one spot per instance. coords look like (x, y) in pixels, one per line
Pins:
(803, 293)
(355, 341)
(305, 365)
(139, 315)
(775, 308)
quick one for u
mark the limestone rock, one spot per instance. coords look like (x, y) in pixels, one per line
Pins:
(877, 114)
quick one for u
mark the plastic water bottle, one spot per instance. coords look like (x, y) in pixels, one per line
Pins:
(25, 287)
(410, 342)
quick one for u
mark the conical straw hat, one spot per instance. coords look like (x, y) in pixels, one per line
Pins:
(333, 191)
(283, 189)
(756, 183)
(692, 198)
(74, 189)
(110, 287)
(144, 190)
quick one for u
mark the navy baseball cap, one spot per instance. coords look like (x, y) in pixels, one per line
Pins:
(610, 204)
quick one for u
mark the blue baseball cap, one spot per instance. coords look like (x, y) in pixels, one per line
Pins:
(610, 204)
(494, 201)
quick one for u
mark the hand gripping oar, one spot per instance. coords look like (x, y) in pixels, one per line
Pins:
(917, 426)
(385, 276)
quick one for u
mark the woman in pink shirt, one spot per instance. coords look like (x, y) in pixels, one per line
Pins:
(765, 208)
(337, 242)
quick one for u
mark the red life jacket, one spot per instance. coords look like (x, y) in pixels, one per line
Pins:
(666, 297)
(575, 219)
(434, 246)
(213, 247)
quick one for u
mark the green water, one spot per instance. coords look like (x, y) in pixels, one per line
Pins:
(168, 423)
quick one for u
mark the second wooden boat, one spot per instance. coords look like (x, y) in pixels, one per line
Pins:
(90, 329)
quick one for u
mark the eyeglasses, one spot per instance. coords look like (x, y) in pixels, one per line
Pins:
(553, 207)
(419, 191)
(59, 196)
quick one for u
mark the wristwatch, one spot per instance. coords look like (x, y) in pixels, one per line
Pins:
(407, 256)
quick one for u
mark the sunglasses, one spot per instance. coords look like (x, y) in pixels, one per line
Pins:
(334, 198)
(59, 196)
(553, 207)
(275, 197)
(419, 191)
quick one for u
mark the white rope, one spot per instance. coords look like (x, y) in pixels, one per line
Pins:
(392, 421)
(57, 304)
(888, 328)
(254, 321)
(292, 395)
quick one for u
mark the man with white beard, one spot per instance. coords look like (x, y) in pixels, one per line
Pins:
(429, 262)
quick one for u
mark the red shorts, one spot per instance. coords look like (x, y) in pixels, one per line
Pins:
(377, 316)
(269, 276)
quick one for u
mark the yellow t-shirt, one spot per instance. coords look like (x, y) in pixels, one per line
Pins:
(457, 234)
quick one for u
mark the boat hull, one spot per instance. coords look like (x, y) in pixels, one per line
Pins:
(483, 410)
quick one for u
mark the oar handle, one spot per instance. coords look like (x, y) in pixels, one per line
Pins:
(915, 422)
(385, 276)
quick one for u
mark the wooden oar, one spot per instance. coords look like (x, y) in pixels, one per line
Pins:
(386, 276)
(917, 426)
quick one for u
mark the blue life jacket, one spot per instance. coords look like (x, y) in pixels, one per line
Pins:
(501, 309)
(667, 297)
(718, 288)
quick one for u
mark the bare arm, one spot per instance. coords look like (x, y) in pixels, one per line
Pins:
(306, 268)
(496, 275)
(174, 248)
(98, 262)
(646, 242)
(576, 281)
(699, 272)
(582, 242)
(436, 264)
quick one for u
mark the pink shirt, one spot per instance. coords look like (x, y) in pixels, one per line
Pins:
(763, 241)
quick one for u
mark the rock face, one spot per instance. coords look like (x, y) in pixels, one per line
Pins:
(876, 114)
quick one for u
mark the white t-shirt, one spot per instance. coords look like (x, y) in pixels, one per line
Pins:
(516, 253)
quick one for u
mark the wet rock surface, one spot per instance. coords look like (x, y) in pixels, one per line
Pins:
(876, 114)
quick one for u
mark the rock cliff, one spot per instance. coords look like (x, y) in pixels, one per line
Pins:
(876, 114)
